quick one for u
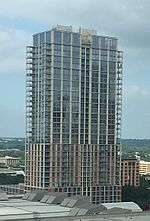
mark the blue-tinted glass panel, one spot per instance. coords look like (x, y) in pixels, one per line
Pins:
(66, 104)
(76, 52)
(112, 66)
(57, 50)
(57, 37)
(104, 66)
(113, 43)
(67, 38)
(74, 138)
(66, 85)
(56, 98)
(57, 84)
(66, 74)
(75, 106)
(66, 64)
(76, 39)
(75, 96)
(75, 75)
(75, 85)
(42, 37)
(65, 138)
(35, 39)
(48, 37)
(95, 41)
(112, 55)
(57, 73)
(104, 42)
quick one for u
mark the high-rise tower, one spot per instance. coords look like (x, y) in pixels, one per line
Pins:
(73, 113)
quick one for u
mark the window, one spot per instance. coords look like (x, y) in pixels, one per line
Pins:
(112, 66)
(75, 85)
(104, 42)
(75, 75)
(113, 43)
(66, 85)
(57, 73)
(65, 138)
(75, 117)
(42, 37)
(57, 50)
(57, 84)
(57, 59)
(48, 37)
(35, 39)
(66, 51)
(75, 106)
(104, 66)
(76, 39)
(66, 64)
(66, 38)
(57, 37)
(75, 52)
(95, 41)
(66, 74)
(75, 96)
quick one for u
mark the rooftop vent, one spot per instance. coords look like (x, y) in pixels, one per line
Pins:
(63, 28)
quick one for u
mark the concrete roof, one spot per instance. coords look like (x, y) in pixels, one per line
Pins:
(33, 207)
(19, 208)
(133, 207)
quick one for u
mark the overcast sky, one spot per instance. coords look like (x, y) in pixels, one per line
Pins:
(129, 20)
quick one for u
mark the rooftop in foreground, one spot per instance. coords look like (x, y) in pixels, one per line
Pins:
(40, 206)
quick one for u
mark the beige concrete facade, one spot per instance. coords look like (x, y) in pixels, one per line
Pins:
(144, 167)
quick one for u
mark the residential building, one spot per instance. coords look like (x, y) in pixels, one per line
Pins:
(144, 167)
(73, 114)
(130, 172)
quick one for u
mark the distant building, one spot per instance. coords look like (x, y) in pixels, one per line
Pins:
(73, 114)
(130, 172)
(144, 168)
(8, 161)
(11, 172)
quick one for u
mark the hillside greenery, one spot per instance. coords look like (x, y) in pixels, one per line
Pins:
(138, 147)
(130, 147)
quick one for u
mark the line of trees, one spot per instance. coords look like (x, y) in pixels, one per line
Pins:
(139, 195)
(7, 179)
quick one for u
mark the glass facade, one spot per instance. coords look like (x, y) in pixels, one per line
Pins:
(74, 114)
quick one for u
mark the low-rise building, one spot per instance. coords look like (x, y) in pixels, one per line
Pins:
(8, 161)
(144, 167)
(130, 172)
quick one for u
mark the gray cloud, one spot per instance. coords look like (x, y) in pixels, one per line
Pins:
(126, 19)
(12, 50)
